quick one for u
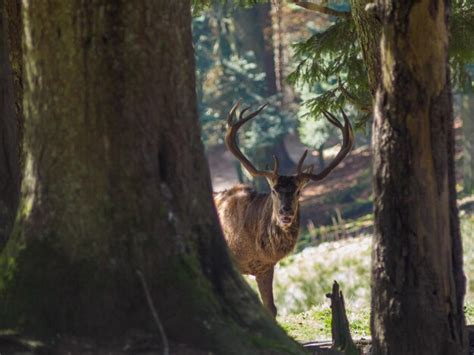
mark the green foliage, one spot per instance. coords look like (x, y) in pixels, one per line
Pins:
(313, 133)
(330, 65)
(462, 44)
(469, 312)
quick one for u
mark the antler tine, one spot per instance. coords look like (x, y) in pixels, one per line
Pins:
(331, 118)
(230, 116)
(241, 116)
(231, 143)
(300, 162)
(253, 114)
(276, 165)
(349, 134)
(347, 142)
(243, 119)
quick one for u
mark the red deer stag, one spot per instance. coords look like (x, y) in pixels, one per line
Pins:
(261, 229)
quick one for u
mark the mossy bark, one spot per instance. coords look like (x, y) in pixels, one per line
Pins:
(115, 181)
(10, 115)
(418, 283)
(369, 30)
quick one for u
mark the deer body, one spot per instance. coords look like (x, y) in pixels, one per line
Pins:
(254, 238)
(261, 229)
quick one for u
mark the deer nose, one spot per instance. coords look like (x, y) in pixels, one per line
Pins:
(285, 210)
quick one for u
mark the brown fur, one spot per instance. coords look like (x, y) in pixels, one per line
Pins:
(255, 238)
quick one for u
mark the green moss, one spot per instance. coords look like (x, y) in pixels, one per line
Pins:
(315, 324)
(269, 346)
(469, 312)
(40, 290)
(310, 325)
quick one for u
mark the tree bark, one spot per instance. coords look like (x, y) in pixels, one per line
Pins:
(10, 115)
(368, 30)
(116, 182)
(418, 283)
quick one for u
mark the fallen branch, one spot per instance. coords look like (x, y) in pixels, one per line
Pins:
(166, 347)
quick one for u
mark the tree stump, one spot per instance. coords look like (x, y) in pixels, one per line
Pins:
(341, 334)
(342, 343)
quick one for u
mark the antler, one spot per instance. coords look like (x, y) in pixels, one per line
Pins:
(231, 143)
(348, 140)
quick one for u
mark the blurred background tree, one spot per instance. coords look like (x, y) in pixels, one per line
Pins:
(236, 60)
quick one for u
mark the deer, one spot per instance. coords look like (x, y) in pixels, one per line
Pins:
(262, 228)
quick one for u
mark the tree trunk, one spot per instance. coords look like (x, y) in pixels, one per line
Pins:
(10, 115)
(253, 29)
(467, 115)
(418, 283)
(368, 30)
(116, 182)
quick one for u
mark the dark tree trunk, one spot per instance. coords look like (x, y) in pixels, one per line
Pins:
(417, 276)
(116, 181)
(10, 115)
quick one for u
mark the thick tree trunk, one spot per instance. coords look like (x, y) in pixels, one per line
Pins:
(10, 115)
(417, 278)
(467, 115)
(116, 181)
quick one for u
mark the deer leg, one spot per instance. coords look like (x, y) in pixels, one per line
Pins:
(265, 286)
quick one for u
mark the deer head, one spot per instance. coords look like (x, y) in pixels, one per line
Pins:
(285, 190)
